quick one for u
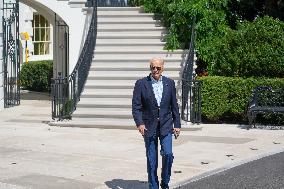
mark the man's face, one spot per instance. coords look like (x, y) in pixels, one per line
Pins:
(157, 68)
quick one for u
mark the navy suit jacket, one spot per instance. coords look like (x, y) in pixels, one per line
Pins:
(145, 108)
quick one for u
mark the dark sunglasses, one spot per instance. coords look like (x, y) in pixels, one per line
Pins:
(155, 67)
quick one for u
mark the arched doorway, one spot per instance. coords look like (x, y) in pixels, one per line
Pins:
(11, 47)
(60, 37)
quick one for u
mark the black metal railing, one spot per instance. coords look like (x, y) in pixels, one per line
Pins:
(66, 91)
(191, 88)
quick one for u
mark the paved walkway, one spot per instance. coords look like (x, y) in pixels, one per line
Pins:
(38, 156)
(263, 173)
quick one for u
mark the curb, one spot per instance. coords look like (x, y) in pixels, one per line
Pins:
(224, 168)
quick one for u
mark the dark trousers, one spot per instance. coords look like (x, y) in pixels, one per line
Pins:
(151, 144)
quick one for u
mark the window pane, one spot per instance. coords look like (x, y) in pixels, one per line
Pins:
(46, 48)
(36, 49)
(42, 21)
(42, 34)
(36, 19)
(41, 29)
(47, 34)
(41, 49)
(36, 34)
(46, 23)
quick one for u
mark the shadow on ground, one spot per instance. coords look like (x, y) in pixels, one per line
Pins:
(32, 95)
(126, 184)
(243, 126)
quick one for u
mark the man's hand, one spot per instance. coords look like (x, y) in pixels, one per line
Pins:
(142, 129)
(176, 132)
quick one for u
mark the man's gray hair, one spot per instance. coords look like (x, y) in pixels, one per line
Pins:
(157, 59)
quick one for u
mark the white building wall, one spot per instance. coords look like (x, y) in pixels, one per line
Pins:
(25, 25)
(77, 21)
(1, 61)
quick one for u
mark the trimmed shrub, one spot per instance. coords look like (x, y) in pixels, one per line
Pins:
(225, 99)
(255, 49)
(36, 75)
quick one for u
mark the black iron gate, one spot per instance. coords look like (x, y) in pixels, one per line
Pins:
(11, 53)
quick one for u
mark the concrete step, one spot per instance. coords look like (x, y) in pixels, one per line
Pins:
(105, 103)
(111, 84)
(130, 23)
(126, 18)
(131, 39)
(139, 54)
(127, 60)
(106, 83)
(131, 67)
(108, 91)
(127, 46)
(127, 43)
(120, 9)
(124, 14)
(127, 25)
(120, 113)
(118, 74)
(148, 51)
(131, 35)
(134, 13)
(110, 123)
(125, 77)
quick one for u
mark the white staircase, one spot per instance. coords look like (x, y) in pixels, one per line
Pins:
(127, 39)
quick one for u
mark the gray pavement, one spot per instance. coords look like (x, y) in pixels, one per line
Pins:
(264, 173)
(38, 156)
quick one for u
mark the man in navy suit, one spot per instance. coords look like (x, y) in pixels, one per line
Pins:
(156, 115)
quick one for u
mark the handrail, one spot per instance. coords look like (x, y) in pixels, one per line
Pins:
(66, 91)
(191, 88)
(188, 68)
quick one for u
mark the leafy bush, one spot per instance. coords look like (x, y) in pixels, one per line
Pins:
(225, 99)
(177, 15)
(255, 49)
(36, 75)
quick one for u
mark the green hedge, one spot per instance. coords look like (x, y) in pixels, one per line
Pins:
(36, 75)
(225, 99)
(256, 49)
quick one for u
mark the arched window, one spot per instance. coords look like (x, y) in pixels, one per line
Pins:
(41, 35)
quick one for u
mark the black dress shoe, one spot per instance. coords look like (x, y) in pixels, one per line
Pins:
(164, 186)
